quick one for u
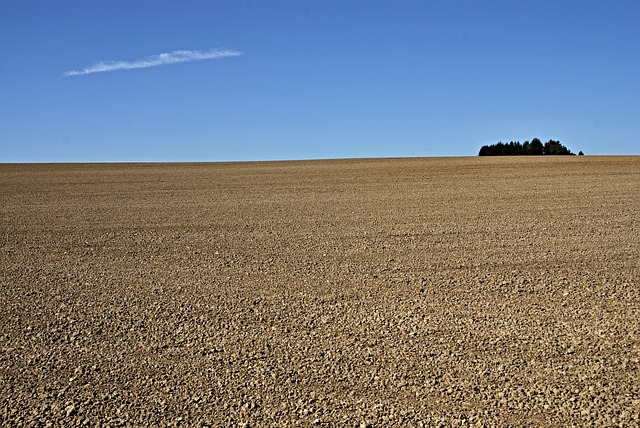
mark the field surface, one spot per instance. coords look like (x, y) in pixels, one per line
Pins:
(381, 292)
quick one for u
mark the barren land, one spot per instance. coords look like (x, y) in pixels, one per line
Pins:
(349, 293)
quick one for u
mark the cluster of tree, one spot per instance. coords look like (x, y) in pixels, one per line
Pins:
(515, 148)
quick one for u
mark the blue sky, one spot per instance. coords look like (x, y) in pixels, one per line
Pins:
(314, 79)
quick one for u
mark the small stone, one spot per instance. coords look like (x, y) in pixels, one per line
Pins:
(70, 410)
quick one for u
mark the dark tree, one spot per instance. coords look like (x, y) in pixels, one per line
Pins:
(536, 147)
(552, 147)
(485, 151)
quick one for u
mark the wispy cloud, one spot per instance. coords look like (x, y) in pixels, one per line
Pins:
(155, 60)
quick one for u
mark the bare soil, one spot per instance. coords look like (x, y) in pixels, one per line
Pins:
(380, 292)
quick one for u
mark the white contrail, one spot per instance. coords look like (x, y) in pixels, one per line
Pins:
(155, 60)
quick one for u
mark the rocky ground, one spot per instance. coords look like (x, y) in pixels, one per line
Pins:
(404, 292)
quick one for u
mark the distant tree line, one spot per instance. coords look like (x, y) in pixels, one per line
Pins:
(533, 148)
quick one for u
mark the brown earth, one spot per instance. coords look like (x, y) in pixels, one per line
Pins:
(390, 292)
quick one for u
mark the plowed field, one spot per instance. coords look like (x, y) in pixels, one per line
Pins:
(381, 292)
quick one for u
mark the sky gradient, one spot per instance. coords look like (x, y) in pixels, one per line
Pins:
(159, 80)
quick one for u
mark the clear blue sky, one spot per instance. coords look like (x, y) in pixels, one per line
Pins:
(315, 79)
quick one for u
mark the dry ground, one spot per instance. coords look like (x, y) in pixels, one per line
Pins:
(403, 292)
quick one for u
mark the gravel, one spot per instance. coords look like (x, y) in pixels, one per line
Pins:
(363, 293)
